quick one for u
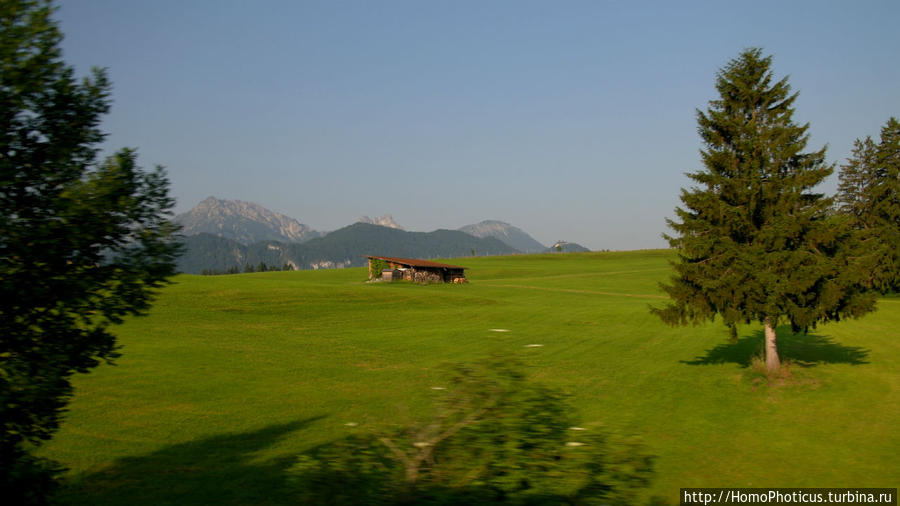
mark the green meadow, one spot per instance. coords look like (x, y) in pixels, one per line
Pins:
(231, 377)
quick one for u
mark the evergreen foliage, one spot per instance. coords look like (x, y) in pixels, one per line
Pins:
(216, 272)
(856, 176)
(869, 194)
(82, 243)
(755, 242)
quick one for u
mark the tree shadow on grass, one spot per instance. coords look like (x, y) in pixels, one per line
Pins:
(215, 470)
(805, 350)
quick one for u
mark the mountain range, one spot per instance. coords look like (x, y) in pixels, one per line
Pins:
(229, 234)
(342, 248)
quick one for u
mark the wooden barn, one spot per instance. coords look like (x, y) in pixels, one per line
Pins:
(418, 271)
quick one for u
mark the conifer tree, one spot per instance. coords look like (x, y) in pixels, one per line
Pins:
(869, 194)
(855, 178)
(755, 243)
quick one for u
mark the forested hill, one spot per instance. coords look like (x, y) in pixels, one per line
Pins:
(566, 247)
(342, 248)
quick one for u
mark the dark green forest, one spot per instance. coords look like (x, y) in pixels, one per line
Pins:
(342, 248)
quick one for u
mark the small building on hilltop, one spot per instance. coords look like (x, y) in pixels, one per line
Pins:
(411, 269)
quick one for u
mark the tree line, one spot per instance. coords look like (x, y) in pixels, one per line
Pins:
(248, 268)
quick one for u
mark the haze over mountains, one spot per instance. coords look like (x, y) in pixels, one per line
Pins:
(513, 236)
(225, 234)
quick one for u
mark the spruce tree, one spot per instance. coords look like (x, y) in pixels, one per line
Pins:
(869, 195)
(856, 176)
(754, 241)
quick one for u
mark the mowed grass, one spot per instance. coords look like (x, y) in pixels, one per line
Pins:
(230, 377)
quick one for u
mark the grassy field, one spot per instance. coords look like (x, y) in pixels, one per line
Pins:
(231, 377)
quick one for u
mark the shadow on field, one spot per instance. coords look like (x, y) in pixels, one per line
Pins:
(805, 350)
(216, 470)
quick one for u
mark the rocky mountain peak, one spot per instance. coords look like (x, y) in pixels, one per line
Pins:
(241, 221)
(513, 236)
(385, 221)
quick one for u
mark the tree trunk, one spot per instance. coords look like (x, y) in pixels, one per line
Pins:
(773, 363)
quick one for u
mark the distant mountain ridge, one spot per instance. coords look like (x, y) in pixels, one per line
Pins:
(244, 222)
(513, 236)
(345, 247)
(223, 234)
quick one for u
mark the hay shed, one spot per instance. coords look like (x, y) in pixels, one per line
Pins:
(419, 271)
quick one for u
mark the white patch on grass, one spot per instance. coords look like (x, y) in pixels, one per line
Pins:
(438, 388)
(574, 443)
(533, 345)
(499, 330)
(576, 428)
(351, 424)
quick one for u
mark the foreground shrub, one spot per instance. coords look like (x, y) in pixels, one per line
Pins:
(495, 437)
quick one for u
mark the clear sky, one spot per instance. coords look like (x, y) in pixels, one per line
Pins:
(573, 120)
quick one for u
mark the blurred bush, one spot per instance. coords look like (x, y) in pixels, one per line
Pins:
(494, 437)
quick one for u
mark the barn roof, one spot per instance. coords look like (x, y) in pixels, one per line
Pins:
(414, 262)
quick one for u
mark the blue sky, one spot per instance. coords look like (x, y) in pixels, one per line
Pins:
(573, 120)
